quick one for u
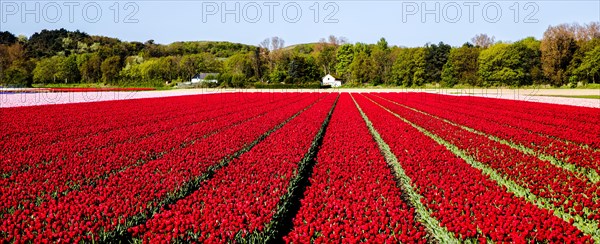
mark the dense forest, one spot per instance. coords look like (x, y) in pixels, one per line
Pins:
(567, 55)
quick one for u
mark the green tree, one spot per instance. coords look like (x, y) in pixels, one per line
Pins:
(302, 68)
(7, 38)
(382, 62)
(505, 64)
(45, 71)
(362, 68)
(20, 73)
(10, 54)
(4, 60)
(279, 72)
(168, 68)
(326, 57)
(277, 76)
(48, 43)
(151, 70)
(259, 63)
(16, 75)
(240, 64)
(189, 65)
(110, 68)
(557, 47)
(89, 66)
(583, 47)
(68, 70)
(461, 67)
(133, 70)
(344, 57)
(409, 67)
(436, 58)
(589, 70)
(532, 60)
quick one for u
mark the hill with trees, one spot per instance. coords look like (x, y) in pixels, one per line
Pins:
(567, 55)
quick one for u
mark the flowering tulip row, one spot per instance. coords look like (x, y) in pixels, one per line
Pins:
(465, 201)
(574, 124)
(352, 195)
(49, 181)
(561, 113)
(241, 198)
(566, 191)
(127, 127)
(517, 128)
(22, 125)
(92, 89)
(115, 203)
(109, 139)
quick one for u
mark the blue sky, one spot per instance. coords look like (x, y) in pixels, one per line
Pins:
(405, 23)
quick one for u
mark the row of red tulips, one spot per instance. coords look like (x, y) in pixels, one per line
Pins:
(127, 128)
(466, 202)
(241, 198)
(49, 181)
(94, 89)
(562, 113)
(527, 130)
(577, 124)
(28, 127)
(152, 116)
(564, 189)
(352, 195)
(120, 201)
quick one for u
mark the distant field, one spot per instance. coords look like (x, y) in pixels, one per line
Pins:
(575, 96)
(23, 97)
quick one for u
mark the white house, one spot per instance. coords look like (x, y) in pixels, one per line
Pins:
(330, 80)
(202, 78)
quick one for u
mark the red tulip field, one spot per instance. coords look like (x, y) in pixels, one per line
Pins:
(300, 167)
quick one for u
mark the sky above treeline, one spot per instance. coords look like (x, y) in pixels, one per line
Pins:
(402, 23)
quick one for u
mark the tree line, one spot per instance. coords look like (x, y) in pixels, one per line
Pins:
(567, 55)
